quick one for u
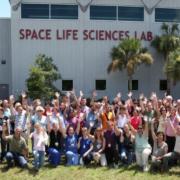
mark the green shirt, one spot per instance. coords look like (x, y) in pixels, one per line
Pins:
(16, 145)
(141, 143)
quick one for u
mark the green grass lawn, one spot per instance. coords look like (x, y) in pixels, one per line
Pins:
(82, 173)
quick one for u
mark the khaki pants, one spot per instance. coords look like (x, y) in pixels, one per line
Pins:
(142, 157)
(100, 158)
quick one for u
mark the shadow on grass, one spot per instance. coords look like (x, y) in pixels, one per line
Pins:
(4, 169)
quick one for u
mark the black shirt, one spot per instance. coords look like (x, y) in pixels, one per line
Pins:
(56, 140)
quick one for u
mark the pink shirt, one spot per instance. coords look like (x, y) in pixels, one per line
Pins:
(169, 131)
(40, 140)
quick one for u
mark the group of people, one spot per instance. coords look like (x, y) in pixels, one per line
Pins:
(145, 131)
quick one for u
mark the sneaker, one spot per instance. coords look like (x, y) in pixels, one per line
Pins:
(116, 166)
(145, 169)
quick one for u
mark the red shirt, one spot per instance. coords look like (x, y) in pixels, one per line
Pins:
(135, 121)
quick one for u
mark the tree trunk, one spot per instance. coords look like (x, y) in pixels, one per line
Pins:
(168, 78)
(130, 83)
(168, 86)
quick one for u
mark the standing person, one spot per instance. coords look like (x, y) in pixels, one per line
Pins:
(40, 139)
(136, 120)
(170, 134)
(160, 149)
(122, 117)
(39, 118)
(18, 150)
(107, 115)
(7, 113)
(3, 121)
(111, 148)
(85, 147)
(20, 117)
(142, 147)
(162, 120)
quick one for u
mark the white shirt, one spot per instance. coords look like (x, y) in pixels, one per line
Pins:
(122, 120)
(177, 144)
(40, 140)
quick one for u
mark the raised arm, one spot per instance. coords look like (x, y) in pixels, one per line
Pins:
(152, 131)
(146, 130)
(103, 146)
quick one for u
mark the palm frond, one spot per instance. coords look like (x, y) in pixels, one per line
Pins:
(113, 66)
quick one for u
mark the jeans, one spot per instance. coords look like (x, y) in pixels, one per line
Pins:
(72, 158)
(54, 156)
(171, 143)
(142, 157)
(3, 147)
(170, 157)
(17, 158)
(126, 156)
(38, 158)
(111, 155)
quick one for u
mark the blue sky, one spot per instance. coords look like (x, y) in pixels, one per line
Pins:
(4, 8)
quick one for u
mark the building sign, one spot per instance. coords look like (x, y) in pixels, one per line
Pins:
(87, 34)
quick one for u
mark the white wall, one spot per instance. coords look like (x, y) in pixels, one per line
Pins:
(5, 51)
(86, 61)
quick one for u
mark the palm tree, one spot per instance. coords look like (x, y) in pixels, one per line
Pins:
(172, 67)
(128, 55)
(166, 43)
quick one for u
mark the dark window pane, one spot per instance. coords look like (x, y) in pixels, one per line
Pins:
(67, 85)
(135, 85)
(101, 85)
(163, 85)
(131, 13)
(167, 15)
(64, 11)
(103, 12)
(35, 11)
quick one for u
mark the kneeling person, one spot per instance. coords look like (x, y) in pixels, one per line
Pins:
(18, 149)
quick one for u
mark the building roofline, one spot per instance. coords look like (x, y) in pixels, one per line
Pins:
(4, 18)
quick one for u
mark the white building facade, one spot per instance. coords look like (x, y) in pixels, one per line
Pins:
(79, 36)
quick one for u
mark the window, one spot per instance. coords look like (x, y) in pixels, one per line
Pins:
(35, 11)
(134, 84)
(67, 85)
(100, 85)
(103, 12)
(163, 85)
(167, 15)
(64, 11)
(131, 13)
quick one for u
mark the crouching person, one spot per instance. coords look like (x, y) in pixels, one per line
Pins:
(72, 145)
(85, 147)
(142, 147)
(56, 141)
(160, 149)
(18, 150)
(175, 155)
(127, 140)
(99, 144)
(40, 139)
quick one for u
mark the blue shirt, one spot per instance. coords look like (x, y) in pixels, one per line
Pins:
(85, 145)
(71, 143)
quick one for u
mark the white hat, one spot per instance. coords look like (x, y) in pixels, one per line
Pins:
(40, 108)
